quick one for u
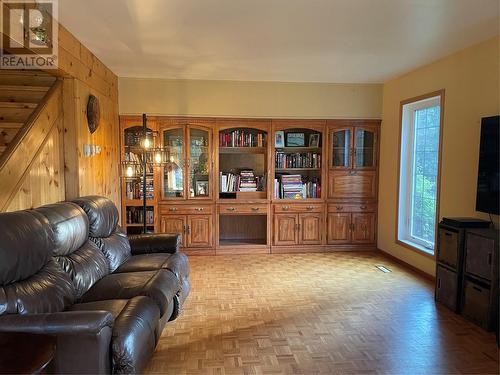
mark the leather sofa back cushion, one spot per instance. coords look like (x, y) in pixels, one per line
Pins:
(115, 248)
(102, 214)
(49, 290)
(26, 243)
(85, 266)
(69, 224)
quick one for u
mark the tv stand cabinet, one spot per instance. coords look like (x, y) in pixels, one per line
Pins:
(337, 161)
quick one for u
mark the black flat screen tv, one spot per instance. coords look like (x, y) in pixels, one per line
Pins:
(488, 179)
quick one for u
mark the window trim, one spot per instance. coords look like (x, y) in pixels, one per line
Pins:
(407, 244)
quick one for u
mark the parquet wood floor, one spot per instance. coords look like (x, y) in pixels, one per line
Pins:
(317, 313)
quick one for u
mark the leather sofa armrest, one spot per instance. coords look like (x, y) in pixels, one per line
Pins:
(154, 243)
(69, 322)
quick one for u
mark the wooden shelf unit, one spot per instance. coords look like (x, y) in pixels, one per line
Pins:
(130, 127)
(343, 217)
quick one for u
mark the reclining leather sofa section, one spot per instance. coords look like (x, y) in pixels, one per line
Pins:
(68, 270)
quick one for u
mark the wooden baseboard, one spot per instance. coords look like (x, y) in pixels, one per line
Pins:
(408, 266)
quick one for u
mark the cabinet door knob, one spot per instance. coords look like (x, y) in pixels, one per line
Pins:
(285, 208)
(187, 229)
(363, 207)
(309, 208)
(255, 208)
(172, 209)
(231, 209)
(199, 209)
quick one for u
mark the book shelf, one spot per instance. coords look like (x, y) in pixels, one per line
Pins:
(243, 163)
(298, 163)
(220, 189)
(132, 179)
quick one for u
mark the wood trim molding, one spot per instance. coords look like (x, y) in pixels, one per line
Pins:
(441, 94)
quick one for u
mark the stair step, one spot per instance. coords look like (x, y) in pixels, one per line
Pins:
(26, 78)
(11, 125)
(23, 88)
(7, 135)
(17, 105)
(13, 114)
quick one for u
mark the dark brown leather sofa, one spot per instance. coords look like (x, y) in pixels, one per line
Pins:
(68, 270)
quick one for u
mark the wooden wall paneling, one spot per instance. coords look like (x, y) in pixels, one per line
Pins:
(14, 169)
(45, 180)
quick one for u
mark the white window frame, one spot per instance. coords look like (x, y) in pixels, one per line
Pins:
(406, 165)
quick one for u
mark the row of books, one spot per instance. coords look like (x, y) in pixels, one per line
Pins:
(296, 187)
(133, 189)
(244, 181)
(242, 138)
(137, 159)
(135, 215)
(298, 160)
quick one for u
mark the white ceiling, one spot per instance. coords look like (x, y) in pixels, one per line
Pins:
(342, 41)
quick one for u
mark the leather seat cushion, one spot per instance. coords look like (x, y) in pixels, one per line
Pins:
(133, 340)
(177, 263)
(160, 286)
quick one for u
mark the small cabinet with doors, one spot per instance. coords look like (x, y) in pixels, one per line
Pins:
(353, 223)
(194, 223)
(298, 224)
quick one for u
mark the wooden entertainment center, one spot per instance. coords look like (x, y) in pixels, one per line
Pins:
(236, 186)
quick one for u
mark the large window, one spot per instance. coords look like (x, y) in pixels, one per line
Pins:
(419, 172)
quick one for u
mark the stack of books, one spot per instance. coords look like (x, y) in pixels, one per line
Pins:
(247, 180)
(296, 187)
(291, 186)
(244, 181)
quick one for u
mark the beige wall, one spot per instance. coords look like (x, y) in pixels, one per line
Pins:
(471, 82)
(248, 99)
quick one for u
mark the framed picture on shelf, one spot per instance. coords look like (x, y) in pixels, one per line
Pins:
(314, 140)
(280, 139)
(201, 188)
(295, 140)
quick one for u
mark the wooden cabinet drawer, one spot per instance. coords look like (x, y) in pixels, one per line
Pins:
(179, 209)
(243, 209)
(297, 208)
(350, 207)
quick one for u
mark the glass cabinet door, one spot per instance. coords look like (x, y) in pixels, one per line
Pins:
(173, 172)
(341, 146)
(364, 148)
(199, 163)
